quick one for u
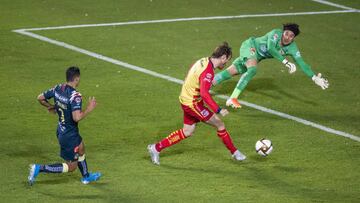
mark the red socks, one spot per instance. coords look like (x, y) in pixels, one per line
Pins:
(172, 139)
(225, 137)
(178, 135)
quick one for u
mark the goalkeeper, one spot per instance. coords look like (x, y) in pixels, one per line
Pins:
(275, 44)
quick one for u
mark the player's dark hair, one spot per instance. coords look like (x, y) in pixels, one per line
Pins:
(222, 49)
(292, 27)
(71, 73)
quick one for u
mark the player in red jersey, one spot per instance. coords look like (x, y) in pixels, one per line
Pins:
(195, 91)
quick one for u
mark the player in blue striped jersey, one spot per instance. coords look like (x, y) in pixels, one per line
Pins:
(67, 105)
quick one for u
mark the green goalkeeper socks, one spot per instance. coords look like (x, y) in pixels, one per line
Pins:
(222, 76)
(235, 93)
(244, 80)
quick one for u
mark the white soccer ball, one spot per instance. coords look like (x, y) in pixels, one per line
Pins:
(263, 147)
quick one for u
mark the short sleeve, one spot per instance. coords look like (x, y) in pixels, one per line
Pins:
(50, 93)
(75, 101)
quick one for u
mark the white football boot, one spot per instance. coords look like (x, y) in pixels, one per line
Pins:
(154, 154)
(238, 156)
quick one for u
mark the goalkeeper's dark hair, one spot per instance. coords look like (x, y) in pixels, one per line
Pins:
(222, 49)
(292, 27)
(71, 73)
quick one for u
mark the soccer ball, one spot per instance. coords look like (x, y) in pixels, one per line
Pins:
(263, 147)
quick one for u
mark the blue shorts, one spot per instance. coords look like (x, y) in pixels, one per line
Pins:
(69, 145)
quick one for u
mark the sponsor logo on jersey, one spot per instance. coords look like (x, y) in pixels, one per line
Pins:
(61, 105)
(252, 51)
(61, 98)
(204, 112)
(276, 36)
(263, 50)
(208, 77)
(74, 94)
(298, 54)
(78, 100)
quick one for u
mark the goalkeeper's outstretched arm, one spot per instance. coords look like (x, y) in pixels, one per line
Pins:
(318, 79)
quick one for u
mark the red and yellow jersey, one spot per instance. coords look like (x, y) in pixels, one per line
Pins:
(197, 85)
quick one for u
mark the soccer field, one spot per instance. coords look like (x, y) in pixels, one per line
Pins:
(134, 55)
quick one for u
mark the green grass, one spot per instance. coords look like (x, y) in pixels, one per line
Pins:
(134, 109)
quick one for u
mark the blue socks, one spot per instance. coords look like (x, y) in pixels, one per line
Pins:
(82, 165)
(52, 168)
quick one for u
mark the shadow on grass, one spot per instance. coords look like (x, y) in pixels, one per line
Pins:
(53, 179)
(105, 194)
(102, 190)
(259, 86)
(170, 153)
(27, 151)
(74, 197)
(277, 178)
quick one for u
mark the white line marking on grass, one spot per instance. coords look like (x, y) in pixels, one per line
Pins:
(98, 56)
(190, 19)
(333, 4)
(300, 120)
(178, 81)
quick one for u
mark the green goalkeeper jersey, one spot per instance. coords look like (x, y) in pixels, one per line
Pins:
(269, 46)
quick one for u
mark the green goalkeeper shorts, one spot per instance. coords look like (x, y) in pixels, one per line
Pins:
(247, 51)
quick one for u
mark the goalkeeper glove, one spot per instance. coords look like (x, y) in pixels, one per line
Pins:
(322, 82)
(290, 66)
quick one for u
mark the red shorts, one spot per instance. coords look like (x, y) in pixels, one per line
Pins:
(196, 113)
